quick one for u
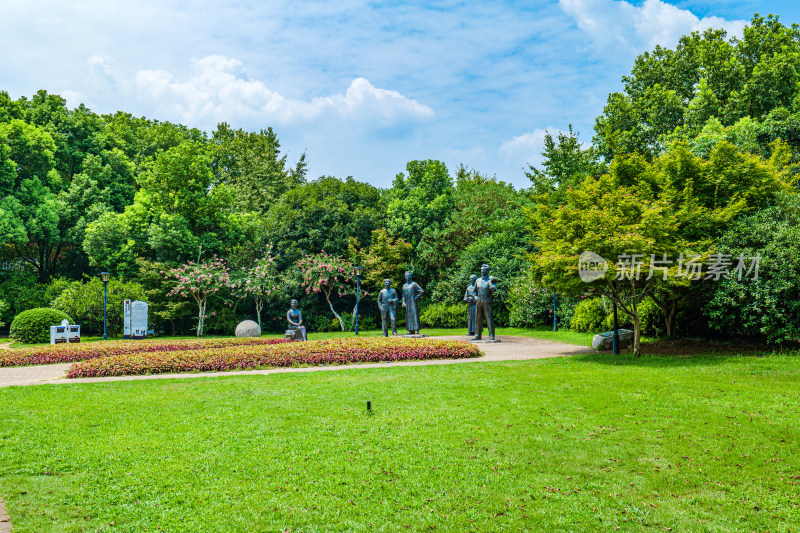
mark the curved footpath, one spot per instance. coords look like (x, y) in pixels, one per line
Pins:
(509, 349)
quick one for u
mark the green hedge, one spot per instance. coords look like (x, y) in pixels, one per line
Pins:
(442, 315)
(33, 326)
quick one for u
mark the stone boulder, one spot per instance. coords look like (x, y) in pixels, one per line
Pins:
(605, 341)
(248, 328)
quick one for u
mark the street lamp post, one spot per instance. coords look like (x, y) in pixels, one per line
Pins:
(615, 338)
(358, 270)
(104, 276)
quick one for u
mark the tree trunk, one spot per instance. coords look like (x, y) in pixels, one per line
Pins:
(341, 323)
(669, 318)
(259, 307)
(201, 319)
(637, 334)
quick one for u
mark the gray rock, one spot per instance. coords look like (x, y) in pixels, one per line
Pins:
(248, 328)
(605, 341)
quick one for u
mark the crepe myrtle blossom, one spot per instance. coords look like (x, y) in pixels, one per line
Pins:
(325, 273)
(200, 281)
(258, 282)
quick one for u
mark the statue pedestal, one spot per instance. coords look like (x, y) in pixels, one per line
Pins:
(412, 336)
(481, 341)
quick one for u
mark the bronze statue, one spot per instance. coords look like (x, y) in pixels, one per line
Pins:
(484, 289)
(295, 319)
(471, 299)
(387, 303)
(411, 293)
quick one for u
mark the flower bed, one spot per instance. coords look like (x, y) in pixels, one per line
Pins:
(325, 352)
(69, 353)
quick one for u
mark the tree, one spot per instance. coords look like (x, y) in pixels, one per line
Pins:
(30, 209)
(251, 164)
(176, 210)
(323, 273)
(259, 281)
(676, 92)
(624, 225)
(324, 214)
(386, 258)
(420, 200)
(565, 164)
(201, 280)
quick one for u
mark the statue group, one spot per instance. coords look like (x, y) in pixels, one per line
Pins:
(478, 297)
(387, 303)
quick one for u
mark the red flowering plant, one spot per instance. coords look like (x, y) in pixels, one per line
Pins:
(328, 274)
(200, 281)
(259, 282)
(278, 353)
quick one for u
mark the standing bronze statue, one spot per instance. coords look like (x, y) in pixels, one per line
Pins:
(484, 289)
(295, 319)
(387, 303)
(411, 293)
(471, 299)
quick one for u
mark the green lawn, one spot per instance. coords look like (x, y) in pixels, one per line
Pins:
(592, 442)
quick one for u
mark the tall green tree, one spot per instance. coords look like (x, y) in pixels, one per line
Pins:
(707, 75)
(251, 164)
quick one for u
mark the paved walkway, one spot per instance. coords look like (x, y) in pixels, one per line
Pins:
(510, 349)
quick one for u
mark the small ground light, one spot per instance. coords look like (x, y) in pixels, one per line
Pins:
(369, 406)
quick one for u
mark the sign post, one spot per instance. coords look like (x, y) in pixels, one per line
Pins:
(139, 319)
(126, 331)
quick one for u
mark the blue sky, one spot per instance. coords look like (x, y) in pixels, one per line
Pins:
(362, 87)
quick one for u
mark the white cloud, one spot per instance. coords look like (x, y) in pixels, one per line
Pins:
(218, 89)
(526, 147)
(617, 26)
(73, 98)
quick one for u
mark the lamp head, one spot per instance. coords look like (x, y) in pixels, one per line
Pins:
(104, 276)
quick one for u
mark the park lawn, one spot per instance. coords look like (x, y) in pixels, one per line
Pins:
(591, 442)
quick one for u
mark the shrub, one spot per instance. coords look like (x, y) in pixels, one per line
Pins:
(651, 318)
(590, 315)
(529, 305)
(442, 315)
(768, 307)
(84, 302)
(33, 326)
(3, 308)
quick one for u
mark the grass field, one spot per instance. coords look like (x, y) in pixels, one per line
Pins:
(593, 442)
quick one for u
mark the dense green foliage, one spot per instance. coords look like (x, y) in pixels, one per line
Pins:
(702, 143)
(34, 324)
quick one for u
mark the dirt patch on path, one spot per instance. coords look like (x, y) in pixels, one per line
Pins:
(5, 521)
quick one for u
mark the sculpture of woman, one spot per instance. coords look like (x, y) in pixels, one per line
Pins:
(411, 293)
(295, 319)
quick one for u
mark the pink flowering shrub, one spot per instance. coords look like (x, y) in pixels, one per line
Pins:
(259, 282)
(325, 352)
(325, 273)
(69, 353)
(529, 305)
(200, 281)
